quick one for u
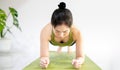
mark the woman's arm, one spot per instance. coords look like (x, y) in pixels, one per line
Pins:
(79, 50)
(45, 35)
(44, 48)
(44, 44)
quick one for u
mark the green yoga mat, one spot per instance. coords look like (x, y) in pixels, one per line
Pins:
(62, 61)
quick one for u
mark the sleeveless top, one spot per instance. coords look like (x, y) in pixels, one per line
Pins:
(70, 41)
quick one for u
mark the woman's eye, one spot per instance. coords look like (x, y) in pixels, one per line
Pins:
(58, 31)
(65, 32)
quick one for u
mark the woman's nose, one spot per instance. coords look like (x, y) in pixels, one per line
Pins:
(61, 34)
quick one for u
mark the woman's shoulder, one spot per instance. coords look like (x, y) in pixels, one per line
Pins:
(46, 30)
(76, 31)
(47, 27)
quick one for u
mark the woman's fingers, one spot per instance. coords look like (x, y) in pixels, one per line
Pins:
(73, 61)
(44, 62)
(47, 61)
(43, 65)
(76, 63)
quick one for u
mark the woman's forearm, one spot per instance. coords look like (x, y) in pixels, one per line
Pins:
(44, 52)
(80, 54)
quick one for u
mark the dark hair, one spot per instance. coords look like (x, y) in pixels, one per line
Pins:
(62, 15)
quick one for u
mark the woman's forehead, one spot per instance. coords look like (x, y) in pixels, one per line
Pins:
(61, 26)
(62, 30)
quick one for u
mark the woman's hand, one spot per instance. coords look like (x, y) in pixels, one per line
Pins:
(77, 62)
(44, 61)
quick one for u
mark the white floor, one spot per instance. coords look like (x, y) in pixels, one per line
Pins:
(18, 58)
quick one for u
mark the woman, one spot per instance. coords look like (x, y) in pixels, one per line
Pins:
(60, 32)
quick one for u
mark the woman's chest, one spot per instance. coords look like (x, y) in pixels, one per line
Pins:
(61, 40)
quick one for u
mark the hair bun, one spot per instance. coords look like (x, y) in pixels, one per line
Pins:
(62, 5)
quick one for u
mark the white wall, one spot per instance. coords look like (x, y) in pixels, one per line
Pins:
(98, 20)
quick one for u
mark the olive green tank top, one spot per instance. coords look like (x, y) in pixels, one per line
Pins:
(70, 42)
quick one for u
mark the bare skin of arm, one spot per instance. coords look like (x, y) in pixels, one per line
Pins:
(44, 46)
(79, 49)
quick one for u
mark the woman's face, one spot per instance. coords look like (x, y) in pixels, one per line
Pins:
(61, 31)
